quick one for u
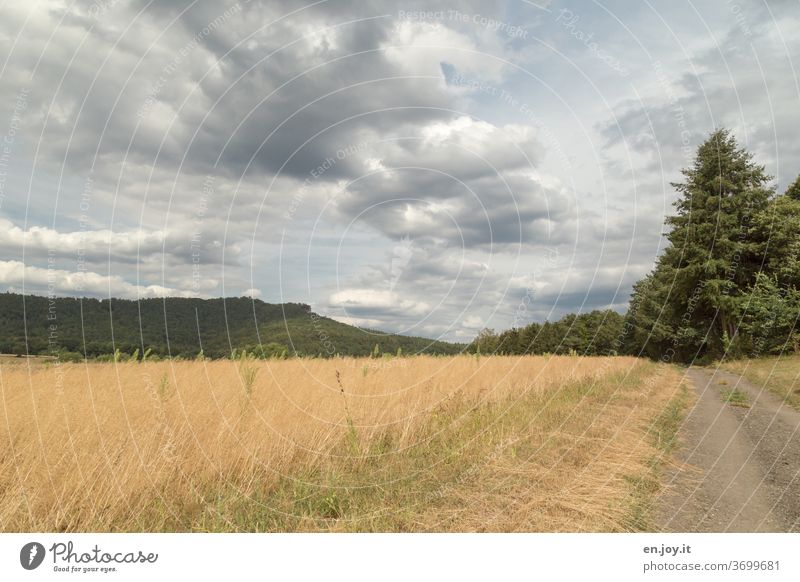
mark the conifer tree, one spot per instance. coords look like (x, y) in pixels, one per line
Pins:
(689, 305)
(793, 191)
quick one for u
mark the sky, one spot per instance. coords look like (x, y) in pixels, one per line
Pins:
(423, 168)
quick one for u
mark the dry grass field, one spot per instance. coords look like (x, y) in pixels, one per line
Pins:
(780, 375)
(407, 444)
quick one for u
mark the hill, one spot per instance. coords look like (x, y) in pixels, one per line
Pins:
(183, 326)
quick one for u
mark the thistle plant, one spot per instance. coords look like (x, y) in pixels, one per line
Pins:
(352, 434)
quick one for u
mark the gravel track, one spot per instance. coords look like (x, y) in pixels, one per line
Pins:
(737, 468)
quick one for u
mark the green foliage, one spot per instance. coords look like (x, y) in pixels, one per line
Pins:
(485, 343)
(736, 397)
(594, 333)
(169, 328)
(268, 351)
(768, 318)
(732, 243)
(776, 229)
(793, 191)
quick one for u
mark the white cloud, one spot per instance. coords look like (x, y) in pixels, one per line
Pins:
(91, 243)
(58, 281)
(356, 299)
(473, 322)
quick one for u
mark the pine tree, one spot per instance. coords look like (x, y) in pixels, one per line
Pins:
(777, 232)
(793, 191)
(689, 305)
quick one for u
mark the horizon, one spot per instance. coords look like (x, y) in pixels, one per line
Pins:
(165, 297)
(254, 299)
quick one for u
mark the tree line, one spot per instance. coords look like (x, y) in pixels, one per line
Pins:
(726, 284)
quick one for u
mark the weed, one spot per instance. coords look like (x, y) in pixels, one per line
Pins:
(736, 397)
(248, 372)
(777, 374)
(352, 434)
(664, 430)
(664, 437)
(163, 387)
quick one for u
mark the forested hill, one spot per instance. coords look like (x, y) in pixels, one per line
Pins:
(182, 327)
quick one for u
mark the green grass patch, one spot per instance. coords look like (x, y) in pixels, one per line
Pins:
(779, 374)
(736, 397)
(663, 434)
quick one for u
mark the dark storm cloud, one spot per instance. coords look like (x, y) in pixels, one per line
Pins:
(221, 82)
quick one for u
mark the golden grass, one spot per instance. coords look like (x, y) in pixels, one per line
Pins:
(417, 444)
(779, 374)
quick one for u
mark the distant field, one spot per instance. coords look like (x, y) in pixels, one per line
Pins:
(780, 374)
(404, 444)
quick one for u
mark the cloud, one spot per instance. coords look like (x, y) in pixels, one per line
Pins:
(97, 246)
(740, 78)
(326, 149)
(473, 322)
(18, 276)
(354, 301)
(465, 181)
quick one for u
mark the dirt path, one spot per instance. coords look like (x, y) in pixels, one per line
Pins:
(738, 468)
